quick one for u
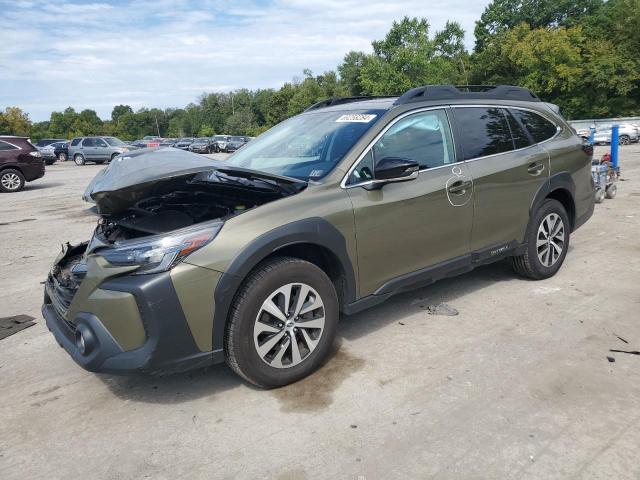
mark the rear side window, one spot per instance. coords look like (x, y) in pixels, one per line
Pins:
(6, 146)
(483, 131)
(520, 137)
(540, 128)
(89, 142)
(75, 142)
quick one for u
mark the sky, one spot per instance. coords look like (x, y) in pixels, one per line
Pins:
(166, 53)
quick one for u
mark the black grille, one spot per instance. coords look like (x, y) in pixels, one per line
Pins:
(62, 285)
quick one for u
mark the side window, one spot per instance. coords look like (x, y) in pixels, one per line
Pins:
(483, 131)
(99, 142)
(363, 171)
(520, 137)
(540, 128)
(424, 137)
(6, 146)
(75, 142)
(88, 142)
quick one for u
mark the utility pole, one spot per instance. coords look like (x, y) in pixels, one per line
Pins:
(233, 109)
(157, 127)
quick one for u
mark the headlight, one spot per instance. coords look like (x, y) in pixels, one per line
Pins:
(160, 252)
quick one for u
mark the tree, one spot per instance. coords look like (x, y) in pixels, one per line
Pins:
(350, 69)
(118, 111)
(13, 121)
(501, 15)
(408, 57)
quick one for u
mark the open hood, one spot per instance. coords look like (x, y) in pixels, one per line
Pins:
(132, 176)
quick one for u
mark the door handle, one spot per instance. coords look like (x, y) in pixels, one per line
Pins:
(459, 187)
(535, 168)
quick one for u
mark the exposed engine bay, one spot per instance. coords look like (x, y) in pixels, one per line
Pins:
(180, 202)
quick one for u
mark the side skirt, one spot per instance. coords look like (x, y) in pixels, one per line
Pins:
(427, 276)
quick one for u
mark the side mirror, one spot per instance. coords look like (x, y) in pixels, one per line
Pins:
(394, 169)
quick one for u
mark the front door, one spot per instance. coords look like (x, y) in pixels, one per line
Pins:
(405, 227)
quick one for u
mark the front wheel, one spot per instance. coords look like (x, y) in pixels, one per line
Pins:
(282, 323)
(547, 242)
(611, 191)
(625, 140)
(11, 180)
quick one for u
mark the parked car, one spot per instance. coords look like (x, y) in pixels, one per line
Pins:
(20, 162)
(96, 149)
(251, 260)
(202, 145)
(220, 142)
(626, 134)
(61, 150)
(168, 142)
(48, 141)
(235, 143)
(183, 143)
(55, 151)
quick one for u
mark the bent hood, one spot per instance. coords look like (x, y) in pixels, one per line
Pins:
(131, 176)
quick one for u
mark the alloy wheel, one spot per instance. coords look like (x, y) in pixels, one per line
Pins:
(62, 157)
(10, 181)
(550, 240)
(289, 325)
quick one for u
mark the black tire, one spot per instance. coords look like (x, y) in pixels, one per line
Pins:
(50, 162)
(240, 350)
(62, 157)
(529, 264)
(216, 149)
(11, 180)
(78, 159)
(611, 191)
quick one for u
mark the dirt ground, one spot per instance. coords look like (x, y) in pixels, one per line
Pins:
(517, 386)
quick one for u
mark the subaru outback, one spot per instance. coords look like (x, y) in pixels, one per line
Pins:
(252, 260)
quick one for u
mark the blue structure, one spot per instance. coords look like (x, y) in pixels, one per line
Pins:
(614, 147)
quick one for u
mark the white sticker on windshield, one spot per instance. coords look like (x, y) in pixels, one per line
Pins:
(356, 118)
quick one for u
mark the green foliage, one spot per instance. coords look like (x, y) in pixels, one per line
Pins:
(581, 55)
(13, 121)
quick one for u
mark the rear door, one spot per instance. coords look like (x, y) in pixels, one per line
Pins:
(404, 228)
(507, 168)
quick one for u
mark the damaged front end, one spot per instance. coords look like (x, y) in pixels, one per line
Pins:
(111, 302)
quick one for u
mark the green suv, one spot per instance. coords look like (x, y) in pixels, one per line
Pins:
(252, 260)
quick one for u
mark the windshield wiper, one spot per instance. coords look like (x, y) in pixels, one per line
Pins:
(225, 178)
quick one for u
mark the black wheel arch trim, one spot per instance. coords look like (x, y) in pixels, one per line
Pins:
(558, 181)
(316, 230)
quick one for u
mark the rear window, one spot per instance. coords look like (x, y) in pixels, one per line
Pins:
(483, 131)
(520, 137)
(7, 146)
(539, 127)
(75, 142)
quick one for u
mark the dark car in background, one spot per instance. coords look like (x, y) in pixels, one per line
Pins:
(235, 143)
(168, 142)
(20, 162)
(55, 151)
(184, 143)
(48, 141)
(202, 145)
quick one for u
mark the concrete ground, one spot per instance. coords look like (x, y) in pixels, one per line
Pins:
(517, 386)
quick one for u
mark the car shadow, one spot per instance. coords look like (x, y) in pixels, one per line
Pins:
(40, 186)
(214, 380)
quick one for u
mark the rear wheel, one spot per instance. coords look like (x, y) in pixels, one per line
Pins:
(78, 159)
(282, 323)
(11, 180)
(611, 191)
(600, 193)
(547, 242)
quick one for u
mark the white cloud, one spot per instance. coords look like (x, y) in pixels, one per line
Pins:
(165, 53)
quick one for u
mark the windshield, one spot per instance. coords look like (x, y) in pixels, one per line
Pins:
(113, 141)
(187, 139)
(219, 137)
(201, 140)
(236, 139)
(308, 146)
